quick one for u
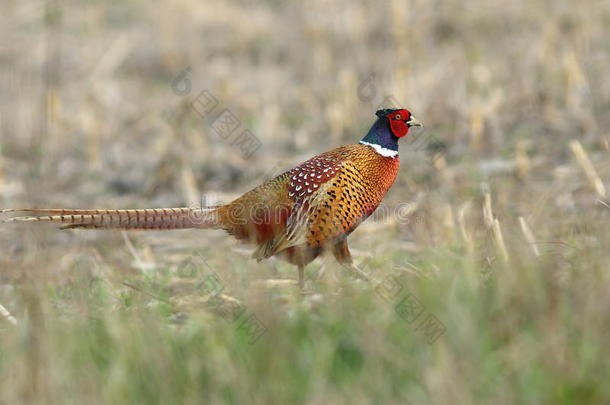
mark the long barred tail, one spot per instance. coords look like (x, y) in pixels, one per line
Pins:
(145, 219)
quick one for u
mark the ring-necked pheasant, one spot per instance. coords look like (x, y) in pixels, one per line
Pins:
(296, 215)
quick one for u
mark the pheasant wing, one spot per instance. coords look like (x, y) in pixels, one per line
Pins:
(329, 202)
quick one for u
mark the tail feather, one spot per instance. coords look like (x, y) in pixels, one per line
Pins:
(144, 219)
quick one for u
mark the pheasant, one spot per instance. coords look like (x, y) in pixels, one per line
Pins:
(296, 215)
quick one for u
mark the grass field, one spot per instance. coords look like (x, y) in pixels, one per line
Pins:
(490, 264)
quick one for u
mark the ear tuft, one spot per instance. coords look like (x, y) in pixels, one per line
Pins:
(383, 113)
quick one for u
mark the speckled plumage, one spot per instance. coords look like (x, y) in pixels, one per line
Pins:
(313, 206)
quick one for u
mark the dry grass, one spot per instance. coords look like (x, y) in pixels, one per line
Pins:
(506, 243)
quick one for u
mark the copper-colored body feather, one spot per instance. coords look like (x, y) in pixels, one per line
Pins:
(313, 206)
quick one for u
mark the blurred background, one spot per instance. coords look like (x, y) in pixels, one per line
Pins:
(505, 241)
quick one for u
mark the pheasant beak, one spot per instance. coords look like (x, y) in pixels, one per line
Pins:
(413, 122)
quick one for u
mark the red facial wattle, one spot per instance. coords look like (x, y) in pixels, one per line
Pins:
(399, 128)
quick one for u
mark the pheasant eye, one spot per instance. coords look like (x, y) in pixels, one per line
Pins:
(398, 117)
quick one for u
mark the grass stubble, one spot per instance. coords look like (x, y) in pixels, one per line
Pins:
(505, 247)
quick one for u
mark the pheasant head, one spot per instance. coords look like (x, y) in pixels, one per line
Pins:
(391, 125)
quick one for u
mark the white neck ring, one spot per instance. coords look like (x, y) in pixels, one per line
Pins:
(381, 150)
